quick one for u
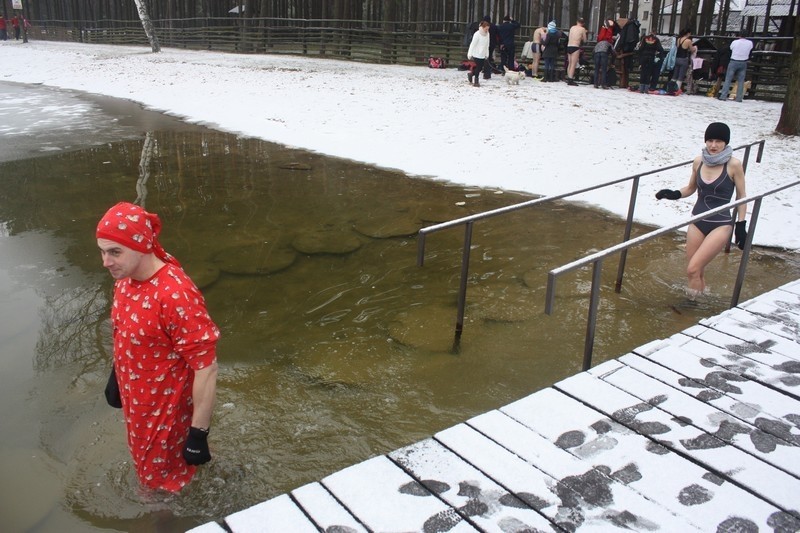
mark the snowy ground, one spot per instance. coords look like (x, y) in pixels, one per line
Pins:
(536, 137)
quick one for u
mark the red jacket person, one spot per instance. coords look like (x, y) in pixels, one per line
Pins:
(164, 350)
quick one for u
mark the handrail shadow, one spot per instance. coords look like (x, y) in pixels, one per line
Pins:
(469, 221)
(597, 260)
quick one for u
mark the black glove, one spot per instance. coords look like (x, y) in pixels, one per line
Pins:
(112, 390)
(740, 233)
(196, 450)
(668, 194)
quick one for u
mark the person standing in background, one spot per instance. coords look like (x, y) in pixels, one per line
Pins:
(740, 55)
(602, 52)
(478, 52)
(577, 36)
(494, 40)
(683, 52)
(550, 45)
(505, 33)
(650, 52)
(536, 49)
(15, 25)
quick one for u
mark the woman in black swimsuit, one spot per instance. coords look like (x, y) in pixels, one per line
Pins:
(715, 175)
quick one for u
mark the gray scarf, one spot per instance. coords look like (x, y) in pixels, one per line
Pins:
(717, 159)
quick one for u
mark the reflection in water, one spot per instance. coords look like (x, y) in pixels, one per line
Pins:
(71, 329)
(148, 147)
(335, 346)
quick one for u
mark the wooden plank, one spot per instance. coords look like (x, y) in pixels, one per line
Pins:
(324, 510)
(770, 483)
(724, 382)
(589, 497)
(778, 302)
(755, 332)
(793, 287)
(488, 505)
(525, 480)
(278, 515)
(781, 429)
(737, 432)
(778, 322)
(679, 484)
(756, 352)
(384, 498)
(754, 362)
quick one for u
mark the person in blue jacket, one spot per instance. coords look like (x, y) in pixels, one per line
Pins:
(550, 48)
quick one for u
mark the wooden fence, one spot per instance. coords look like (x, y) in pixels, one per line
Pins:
(390, 43)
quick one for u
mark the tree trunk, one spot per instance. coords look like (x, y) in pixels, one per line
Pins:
(706, 15)
(655, 16)
(147, 24)
(536, 14)
(789, 123)
(573, 11)
(689, 14)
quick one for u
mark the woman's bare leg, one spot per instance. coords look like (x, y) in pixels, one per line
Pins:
(700, 251)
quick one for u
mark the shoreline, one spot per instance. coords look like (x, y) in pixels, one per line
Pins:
(535, 138)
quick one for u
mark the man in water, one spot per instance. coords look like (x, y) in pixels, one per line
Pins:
(165, 364)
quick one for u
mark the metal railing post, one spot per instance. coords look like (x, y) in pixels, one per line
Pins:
(760, 150)
(550, 297)
(737, 288)
(628, 226)
(746, 158)
(591, 323)
(421, 249)
(462, 287)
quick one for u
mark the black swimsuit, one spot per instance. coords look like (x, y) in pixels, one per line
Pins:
(713, 195)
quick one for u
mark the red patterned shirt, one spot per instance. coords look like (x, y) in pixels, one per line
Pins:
(162, 334)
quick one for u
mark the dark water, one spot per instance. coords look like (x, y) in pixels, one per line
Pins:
(336, 346)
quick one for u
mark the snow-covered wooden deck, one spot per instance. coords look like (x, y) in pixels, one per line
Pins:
(700, 431)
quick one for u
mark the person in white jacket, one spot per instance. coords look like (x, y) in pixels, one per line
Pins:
(478, 52)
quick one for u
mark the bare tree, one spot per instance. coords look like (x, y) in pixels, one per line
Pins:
(147, 24)
(655, 16)
(789, 123)
(706, 15)
(689, 9)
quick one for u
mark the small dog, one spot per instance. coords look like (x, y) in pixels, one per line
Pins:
(513, 77)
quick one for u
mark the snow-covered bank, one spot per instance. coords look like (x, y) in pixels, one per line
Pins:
(536, 137)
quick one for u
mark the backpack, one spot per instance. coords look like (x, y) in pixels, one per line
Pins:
(469, 32)
(436, 62)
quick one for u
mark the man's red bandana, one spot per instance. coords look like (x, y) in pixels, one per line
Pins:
(130, 225)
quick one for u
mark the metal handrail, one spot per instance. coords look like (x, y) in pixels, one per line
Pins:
(597, 260)
(468, 222)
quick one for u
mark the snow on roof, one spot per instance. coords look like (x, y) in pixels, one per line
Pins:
(778, 8)
(734, 6)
